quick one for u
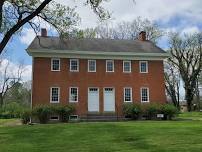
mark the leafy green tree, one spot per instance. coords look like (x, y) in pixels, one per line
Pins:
(14, 14)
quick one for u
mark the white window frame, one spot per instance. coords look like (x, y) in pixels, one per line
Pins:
(147, 94)
(131, 93)
(89, 65)
(140, 62)
(70, 94)
(52, 64)
(130, 67)
(112, 66)
(51, 95)
(70, 65)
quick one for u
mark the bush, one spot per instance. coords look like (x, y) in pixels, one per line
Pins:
(63, 111)
(25, 116)
(11, 110)
(151, 110)
(131, 110)
(169, 111)
(42, 113)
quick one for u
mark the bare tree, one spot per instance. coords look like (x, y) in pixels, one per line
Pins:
(14, 14)
(186, 56)
(9, 77)
(129, 30)
(172, 79)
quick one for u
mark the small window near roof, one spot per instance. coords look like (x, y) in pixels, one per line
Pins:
(127, 66)
(91, 65)
(127, 94)
(74, 65)
(73, 94)
(55, 94)
(55, 64)
(143, 67)
(144, 94)
(109, 65)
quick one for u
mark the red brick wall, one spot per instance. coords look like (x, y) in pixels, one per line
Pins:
(44, 78)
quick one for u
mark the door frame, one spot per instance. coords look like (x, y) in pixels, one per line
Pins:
(98, 99)
(114, 100)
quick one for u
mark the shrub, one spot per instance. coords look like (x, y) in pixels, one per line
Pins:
(42, 113)
(63, 111)
(131, 110)
(151, 110)
(25, 116)
(169, 111)
(11, 110)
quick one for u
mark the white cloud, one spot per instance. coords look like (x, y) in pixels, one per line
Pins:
(161, 10)
(12, 70)
(190, 30)
(28, 35)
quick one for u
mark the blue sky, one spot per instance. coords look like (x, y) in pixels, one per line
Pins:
(182, 16)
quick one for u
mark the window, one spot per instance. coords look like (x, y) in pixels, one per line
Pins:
(91, 65)
(127, 66)
(143, 67)
(145, 94)
(55, 94)
(74, 65)
(55, 64)
(109, 65)
(73, 94)
(127, 94)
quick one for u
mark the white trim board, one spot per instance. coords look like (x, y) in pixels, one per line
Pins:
(97, 55)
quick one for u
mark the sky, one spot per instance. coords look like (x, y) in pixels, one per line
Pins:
(182, 16)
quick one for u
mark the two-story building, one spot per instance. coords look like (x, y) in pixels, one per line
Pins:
(97, 75)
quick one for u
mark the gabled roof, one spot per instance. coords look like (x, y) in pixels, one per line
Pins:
(49, 45)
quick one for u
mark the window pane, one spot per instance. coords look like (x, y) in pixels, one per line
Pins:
(144, 92)
(55, 94)
(127, 66)
(143, 67)
(74, 94)
(110, 66)
(55, 64)
(128, 94)
(74, 65)
(92, 65)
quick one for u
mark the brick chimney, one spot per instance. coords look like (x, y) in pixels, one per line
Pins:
(43, 32)
(142, 36)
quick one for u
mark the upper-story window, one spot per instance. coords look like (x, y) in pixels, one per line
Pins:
(55, 64)
(127, 94)
(127, 66)
(55, 95)
(144, 94)
(109, 65)
(143, 67)
(74, 65)
(73, 94)
(91, 65)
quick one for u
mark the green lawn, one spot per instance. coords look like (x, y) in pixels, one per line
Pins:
(139, 136)
(191, 115)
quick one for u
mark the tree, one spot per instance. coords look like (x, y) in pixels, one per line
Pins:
(172, 79)
(128, 30)
(9, 78)
(186, 56)
(14, 14)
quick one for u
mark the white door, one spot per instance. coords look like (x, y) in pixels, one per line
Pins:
(109, 99)
(93, 99)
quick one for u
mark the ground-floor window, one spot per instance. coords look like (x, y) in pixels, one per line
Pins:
(54, 94)
(127, 94)
(144, 94)
(73, 94)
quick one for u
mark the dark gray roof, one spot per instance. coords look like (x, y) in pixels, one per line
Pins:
(103, 45)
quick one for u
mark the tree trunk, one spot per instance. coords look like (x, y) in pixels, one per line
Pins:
(189, 98)
(1, 12)
(1, 100)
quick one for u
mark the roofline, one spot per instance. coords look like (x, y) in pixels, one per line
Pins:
(96, 54)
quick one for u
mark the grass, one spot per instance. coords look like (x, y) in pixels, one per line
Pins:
(139, 136)
(136, 136)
